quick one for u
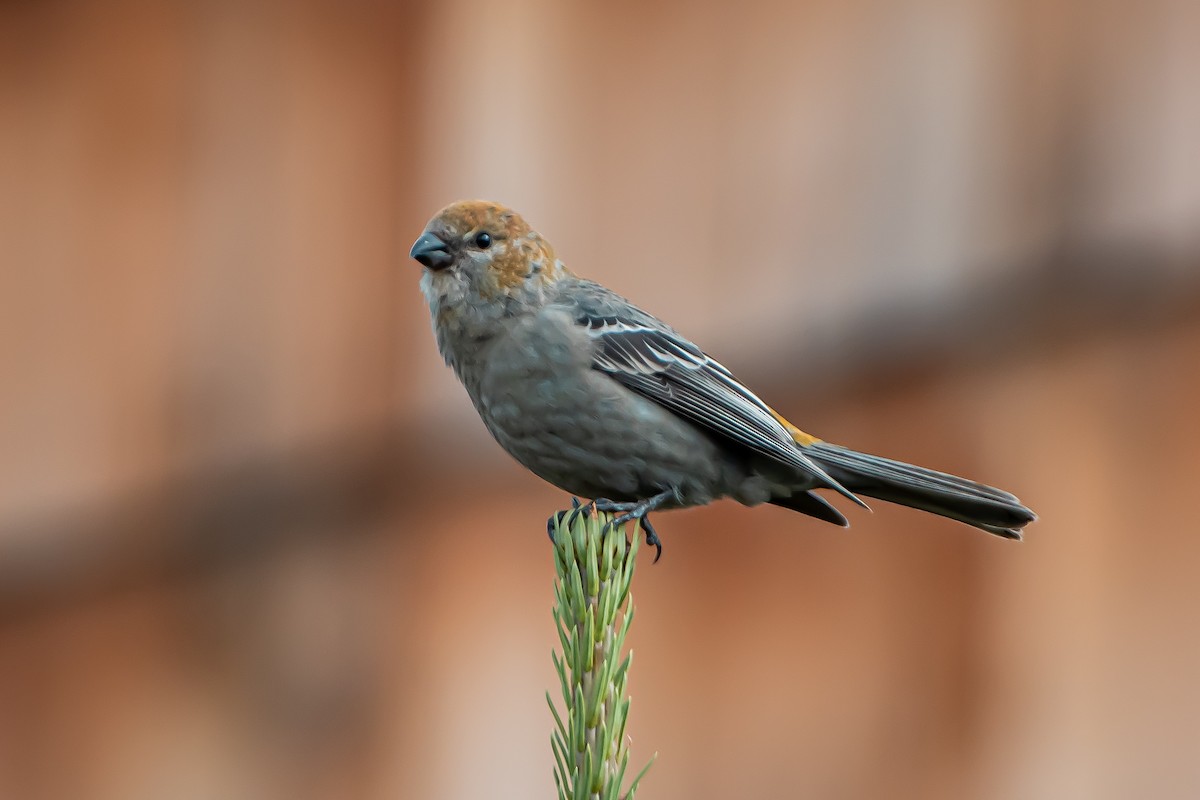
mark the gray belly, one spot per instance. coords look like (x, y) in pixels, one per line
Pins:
(594, 438)
(590, 436)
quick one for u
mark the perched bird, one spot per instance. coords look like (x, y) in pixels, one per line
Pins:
(610, 403)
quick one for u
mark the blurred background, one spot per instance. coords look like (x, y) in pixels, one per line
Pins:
(254, 542)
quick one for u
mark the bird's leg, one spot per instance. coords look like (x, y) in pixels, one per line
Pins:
(557, 517)
(631, 511)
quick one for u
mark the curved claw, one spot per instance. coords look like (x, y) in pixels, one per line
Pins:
(552, 522)
(651, 534)
(652, 539)
(628, 512)
(556, 519)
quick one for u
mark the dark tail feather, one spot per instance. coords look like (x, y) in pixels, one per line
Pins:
(814, 505)
(984, 507)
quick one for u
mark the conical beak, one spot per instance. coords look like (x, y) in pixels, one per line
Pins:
(431, 252)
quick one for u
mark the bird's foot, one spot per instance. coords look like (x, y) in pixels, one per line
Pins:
(652, 539)
(558, 517)
(628, 512)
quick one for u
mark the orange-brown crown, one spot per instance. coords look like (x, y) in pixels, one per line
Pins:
(518, 252)
(466, 216)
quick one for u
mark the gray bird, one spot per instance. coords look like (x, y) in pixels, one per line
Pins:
(607, 402)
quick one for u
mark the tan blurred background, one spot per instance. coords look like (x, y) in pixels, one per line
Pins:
(255, 544)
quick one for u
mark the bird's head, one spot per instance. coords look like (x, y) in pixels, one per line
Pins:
(475, 251)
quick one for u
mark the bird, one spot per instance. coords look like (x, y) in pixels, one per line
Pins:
(608, 402)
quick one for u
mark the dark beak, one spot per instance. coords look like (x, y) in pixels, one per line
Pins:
(431, 252)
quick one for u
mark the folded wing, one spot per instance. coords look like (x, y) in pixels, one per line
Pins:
(649, 358)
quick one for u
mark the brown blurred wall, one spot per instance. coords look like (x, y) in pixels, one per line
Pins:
(254, 544)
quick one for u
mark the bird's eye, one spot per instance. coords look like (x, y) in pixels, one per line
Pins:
(483, 240)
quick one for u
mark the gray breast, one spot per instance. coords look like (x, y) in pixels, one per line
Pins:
(578, 428)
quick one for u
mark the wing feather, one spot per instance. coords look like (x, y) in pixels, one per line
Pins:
(651, 359)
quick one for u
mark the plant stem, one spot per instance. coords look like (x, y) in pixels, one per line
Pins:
(595, 569)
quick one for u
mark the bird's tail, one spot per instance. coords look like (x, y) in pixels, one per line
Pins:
(984, 507)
